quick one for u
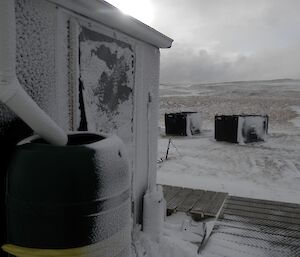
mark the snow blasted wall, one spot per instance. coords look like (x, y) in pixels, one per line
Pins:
(106, 80)
(89, 74)
(35, 68)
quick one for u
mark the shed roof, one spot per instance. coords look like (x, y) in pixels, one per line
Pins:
(109, 15)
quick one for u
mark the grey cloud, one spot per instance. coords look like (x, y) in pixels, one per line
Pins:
(185, 66)
(261, 36)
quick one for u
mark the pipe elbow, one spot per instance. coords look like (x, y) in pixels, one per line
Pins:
(11, 92)
(24, 107)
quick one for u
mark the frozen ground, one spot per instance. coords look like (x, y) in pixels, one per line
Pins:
(268, 170)
(275, 98)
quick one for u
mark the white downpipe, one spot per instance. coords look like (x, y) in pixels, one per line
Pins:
(153, 201)
(11, 92)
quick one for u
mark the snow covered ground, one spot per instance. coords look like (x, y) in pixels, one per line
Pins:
(269, 170)
(181, 238)
(266, 170)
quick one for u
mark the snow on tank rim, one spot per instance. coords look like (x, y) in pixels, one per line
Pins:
(72, 142)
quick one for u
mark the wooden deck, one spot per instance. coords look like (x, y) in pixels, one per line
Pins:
(252, 227)
(198, 203)
(245, 227)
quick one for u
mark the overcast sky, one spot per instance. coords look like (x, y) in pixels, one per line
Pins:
(226, 40)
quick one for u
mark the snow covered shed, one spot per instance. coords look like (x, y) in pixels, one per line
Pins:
(241, 128)
(182, 123)
(90, 68)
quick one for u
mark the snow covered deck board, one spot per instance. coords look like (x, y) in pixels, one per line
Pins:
(204, 203)
(170, 192)
(262, 228)
(199, 203)
(262, 204)
(215, 207)
(190, 201)
(262, 210)
(260, 222)
(174, 202)
(209, 205)
(252, 227)
(260, 215)
(267, 202)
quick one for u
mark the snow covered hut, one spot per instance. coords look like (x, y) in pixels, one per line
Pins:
(241, 128)
(90, 68)
(182, 123)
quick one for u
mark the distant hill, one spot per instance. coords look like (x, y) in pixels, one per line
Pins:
(281, 80)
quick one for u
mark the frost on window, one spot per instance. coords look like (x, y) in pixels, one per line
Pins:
(106, 81)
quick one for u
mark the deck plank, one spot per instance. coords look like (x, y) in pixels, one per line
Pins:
(261, 228)
(258, 221)
(264, 216)
(170, 192)
(263, 205)
(255, 209)
(268, 202)
(256, 227)
(202, 204)
(253, 247)
(265, 228)
(190, 201)
(269, 237)
(199, 203)
(177, 200)
(217, 204)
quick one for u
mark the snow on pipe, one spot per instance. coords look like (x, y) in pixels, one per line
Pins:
(11, 92)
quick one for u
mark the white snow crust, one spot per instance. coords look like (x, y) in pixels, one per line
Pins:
(265, 170)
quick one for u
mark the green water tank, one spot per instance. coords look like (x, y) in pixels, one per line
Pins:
(74, 196)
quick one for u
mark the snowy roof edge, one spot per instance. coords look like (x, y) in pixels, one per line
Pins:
(109, 15)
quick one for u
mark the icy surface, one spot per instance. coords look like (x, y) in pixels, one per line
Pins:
(111, 159)
(296, 121)
(171, 245)
(35, 55)
(107, 76)
(193, 124)
(181, 238)
(36, 25)
(252, 128)
(266, 170)
(274, 98)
